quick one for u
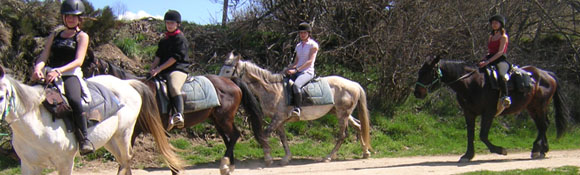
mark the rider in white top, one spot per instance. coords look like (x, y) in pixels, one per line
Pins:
(302, 70)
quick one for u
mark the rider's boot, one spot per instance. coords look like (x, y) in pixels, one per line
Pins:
(85, 145)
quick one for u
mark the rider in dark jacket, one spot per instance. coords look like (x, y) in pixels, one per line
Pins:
(171, 62)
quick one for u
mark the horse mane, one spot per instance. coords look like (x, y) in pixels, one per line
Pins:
(264, 74)
(456, 68)
(28, 96)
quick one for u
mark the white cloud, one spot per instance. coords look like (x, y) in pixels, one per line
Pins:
(140, 14)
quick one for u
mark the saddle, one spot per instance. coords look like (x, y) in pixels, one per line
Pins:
(103, 104)
(315, 92)
(198, 91)
(519, 79)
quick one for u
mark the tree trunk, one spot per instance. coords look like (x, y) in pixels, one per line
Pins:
(225, 14)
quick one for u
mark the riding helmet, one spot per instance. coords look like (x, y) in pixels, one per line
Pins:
(172, 15)
(72, 7)
(304, 27)
(498, 18)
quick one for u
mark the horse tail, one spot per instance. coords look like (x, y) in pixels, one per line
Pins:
(150, 121)
(561, 111)
(363, 113)
(251, 105)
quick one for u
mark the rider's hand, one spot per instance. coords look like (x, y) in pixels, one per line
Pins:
(37, 75)
(291, 71)
(154, 72)
(52, 75)
(482, 64)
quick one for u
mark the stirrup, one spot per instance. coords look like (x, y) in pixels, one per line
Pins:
(506, 101)
(177, 121)
(86, 147)
(295, 112)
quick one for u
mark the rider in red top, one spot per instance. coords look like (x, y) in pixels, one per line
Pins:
(497, 49)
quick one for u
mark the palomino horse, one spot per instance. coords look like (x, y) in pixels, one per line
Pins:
(231, 94)
(39, 141)
(477, 98)
(269, 87)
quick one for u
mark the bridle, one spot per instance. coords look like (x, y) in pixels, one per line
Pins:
(438, 77)
(9, 104)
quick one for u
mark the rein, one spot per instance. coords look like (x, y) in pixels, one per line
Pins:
(9, 104)
(440, 75)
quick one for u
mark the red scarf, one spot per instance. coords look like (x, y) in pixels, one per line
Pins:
(168, 34)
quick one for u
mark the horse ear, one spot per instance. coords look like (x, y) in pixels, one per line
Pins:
(435, 60)
(1, 71)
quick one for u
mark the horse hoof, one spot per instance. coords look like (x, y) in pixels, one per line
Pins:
(285, 161)
(538, 155)
(232, 168)
(268, 160)
(366, 155)
(224, 166)
(327, 159)
(503, 152)
(464, 160)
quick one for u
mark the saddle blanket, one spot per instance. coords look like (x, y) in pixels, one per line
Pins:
(315, 92)
(199, 94)
(519, 79)
(103, 104)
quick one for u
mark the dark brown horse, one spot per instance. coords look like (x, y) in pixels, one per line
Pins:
(231, 94)
(477, 98)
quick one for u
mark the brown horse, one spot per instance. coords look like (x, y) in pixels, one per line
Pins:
(477, 98)
(231, 94)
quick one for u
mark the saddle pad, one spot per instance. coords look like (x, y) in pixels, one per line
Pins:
(315, 92)
(519, 79)
(199, 94)
(103, 103)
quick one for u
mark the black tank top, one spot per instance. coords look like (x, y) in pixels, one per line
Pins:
(63, 50)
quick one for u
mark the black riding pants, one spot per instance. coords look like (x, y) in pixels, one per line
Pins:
(73, 90)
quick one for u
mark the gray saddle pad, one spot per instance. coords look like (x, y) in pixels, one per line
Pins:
(199, 94)
(315, 92)
(103, 103)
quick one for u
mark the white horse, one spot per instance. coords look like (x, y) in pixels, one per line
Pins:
(269, 89)
(40, 142)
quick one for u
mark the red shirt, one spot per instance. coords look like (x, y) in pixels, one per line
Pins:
(493, 46)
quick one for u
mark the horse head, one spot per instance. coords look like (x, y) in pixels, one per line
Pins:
(4, 93)
(429, 78)
(230, 67)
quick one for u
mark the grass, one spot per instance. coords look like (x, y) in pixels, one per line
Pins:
(413, 130)
(538, 171)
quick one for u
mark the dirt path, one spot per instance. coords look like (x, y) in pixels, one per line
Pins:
(404, 165)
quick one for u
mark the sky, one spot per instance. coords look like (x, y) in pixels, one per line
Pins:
(196, 11)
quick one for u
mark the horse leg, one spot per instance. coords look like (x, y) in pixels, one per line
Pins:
(342, 124)
(470, 122)
(230, 135)
(26, 168)
(282, 134)
(121, 149)
(277, 121)
(486, 121)
(540, 146)
(65, 166)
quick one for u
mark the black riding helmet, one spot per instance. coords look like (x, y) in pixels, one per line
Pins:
(172, 15)
(498, 18)
(72, 7)
(304, 27)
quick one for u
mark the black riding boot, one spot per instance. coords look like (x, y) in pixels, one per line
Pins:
(297, 101)
(85, 146)
(504, 101)
(177, 118)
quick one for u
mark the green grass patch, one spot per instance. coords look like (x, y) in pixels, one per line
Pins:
(565, 170)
